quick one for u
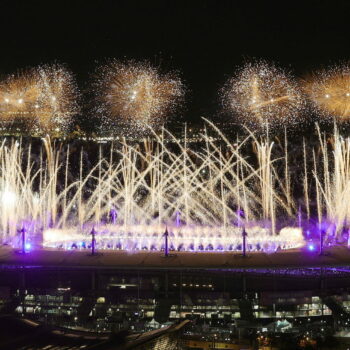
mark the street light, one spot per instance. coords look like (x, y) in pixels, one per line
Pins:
(23, 232)
(166, 243)
(322, 235)
(244, 243)
(93, 240)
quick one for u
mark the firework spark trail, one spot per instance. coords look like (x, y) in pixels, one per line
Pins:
(261, 93)
(137, 94)
(333, 184)
(149, 185)
(329, 92)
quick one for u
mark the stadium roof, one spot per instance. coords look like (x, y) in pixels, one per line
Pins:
(49, 258)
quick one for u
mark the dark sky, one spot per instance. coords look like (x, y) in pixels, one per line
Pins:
(205, 39)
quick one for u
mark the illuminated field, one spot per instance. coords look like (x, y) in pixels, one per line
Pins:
(196, 239)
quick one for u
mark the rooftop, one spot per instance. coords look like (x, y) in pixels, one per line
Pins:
(82, 259)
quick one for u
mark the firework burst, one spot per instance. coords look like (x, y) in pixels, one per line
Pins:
(18, 96)
(329, 91)
(137, 94)
(58, 100)
(261, 93)
(44, 98)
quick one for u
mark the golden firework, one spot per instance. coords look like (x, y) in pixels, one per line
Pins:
(18, 96)
(329, 91)
(261, 93)
(137, 93)
(44, 98)
(58, 100)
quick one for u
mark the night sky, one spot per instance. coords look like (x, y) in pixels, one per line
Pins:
(205, 40)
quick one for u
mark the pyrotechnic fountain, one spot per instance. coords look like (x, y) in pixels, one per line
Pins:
(139, 189)
(333, 184)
